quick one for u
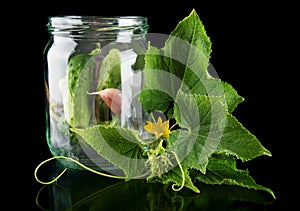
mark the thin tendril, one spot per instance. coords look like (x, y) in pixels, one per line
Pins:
(37, 199)
(38, 194)
(75, 161)
(50, 182)
(93, 195)
(173, 126)
(82, 201)
(179, 198)
(182, 173)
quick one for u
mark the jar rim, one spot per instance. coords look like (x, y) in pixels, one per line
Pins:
(69, 24)
(61, 20)
(98, 16)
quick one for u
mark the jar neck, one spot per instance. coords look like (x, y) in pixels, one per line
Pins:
(98, 28)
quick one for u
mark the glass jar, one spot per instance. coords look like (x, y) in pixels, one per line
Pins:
(92, 78)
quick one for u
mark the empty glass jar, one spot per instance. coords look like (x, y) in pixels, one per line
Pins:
(92, 77)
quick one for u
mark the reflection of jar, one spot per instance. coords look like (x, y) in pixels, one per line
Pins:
(92, 78)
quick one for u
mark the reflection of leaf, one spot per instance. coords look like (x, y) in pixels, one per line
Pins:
(137, 195)
(86, 191)
(228, 197)
(120, 146)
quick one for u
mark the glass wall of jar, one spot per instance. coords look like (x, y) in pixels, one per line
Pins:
(92, 78)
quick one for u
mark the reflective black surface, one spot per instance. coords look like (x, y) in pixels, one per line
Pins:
(82, 190)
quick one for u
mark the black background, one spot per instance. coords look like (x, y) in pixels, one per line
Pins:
(251, 49)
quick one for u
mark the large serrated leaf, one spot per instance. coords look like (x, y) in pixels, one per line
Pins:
(183, 64)
(203, 119)
(225, 172)
(239, 141)
(120, 146)
(207, 127)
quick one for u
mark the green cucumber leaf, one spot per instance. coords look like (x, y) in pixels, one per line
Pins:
(238, 141)
(177, 77)
(211, 128)
(203, 119)
(207, 128)
(155, 100)
(120, 146)
(183, 63)
(158, 82)
(222, 170)
(231, 96)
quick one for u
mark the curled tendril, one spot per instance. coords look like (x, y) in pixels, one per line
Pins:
(182, 173)
(73, 160)
(99, 173)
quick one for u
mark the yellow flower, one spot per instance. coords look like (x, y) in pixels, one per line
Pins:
(158, 129)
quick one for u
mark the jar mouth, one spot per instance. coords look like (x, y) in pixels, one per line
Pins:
(78, 26)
